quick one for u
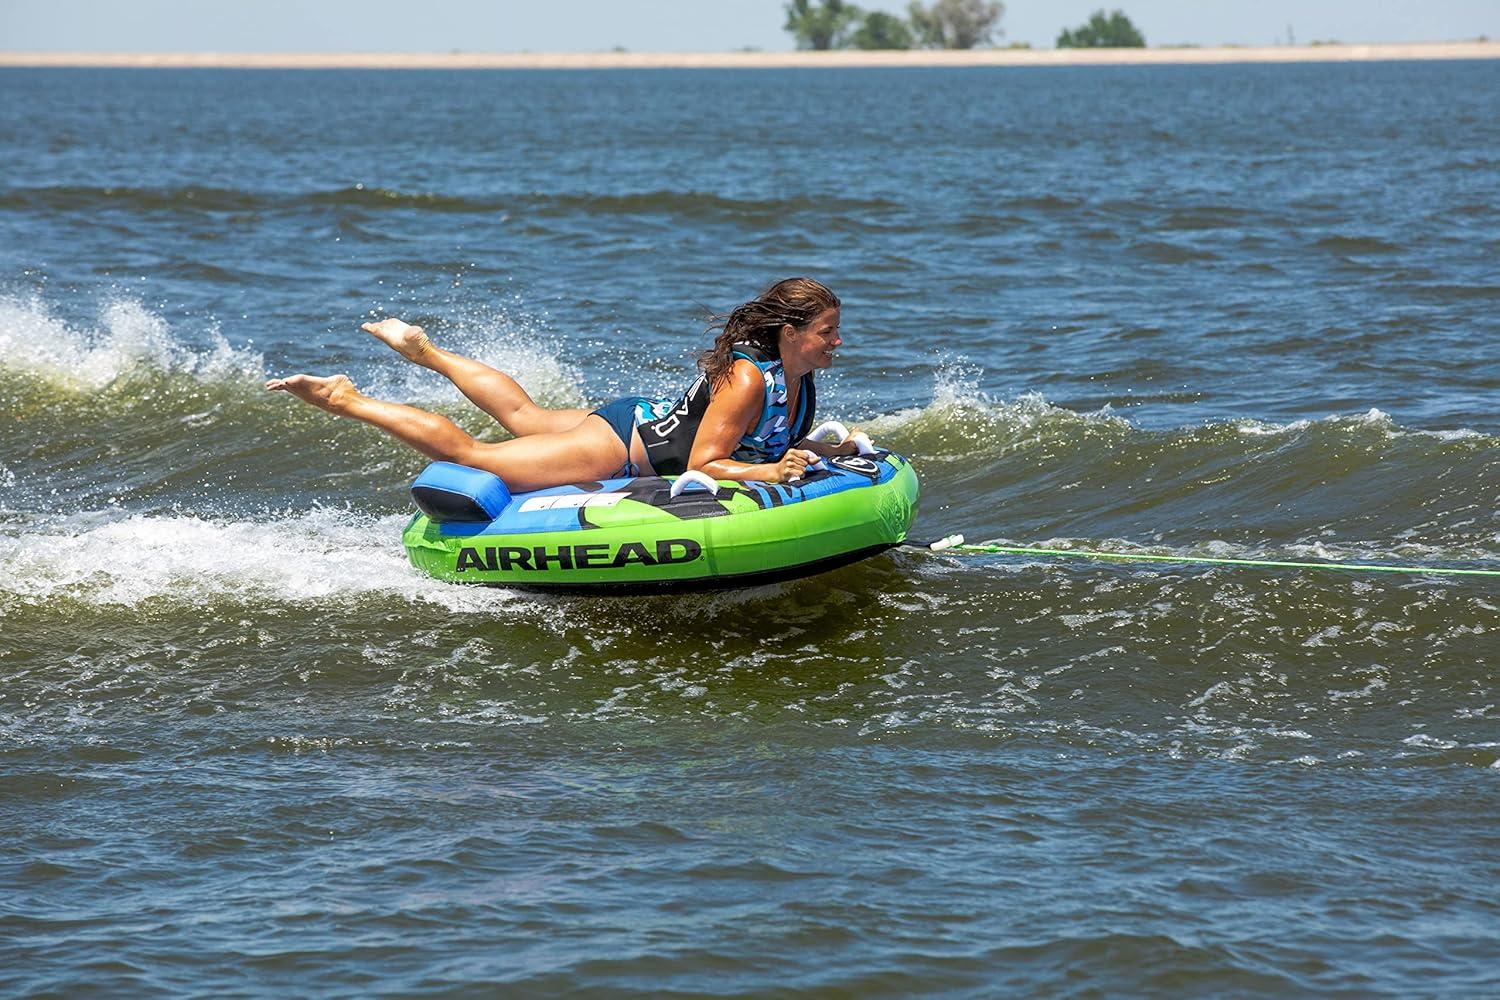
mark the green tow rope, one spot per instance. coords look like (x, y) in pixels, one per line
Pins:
(956, 543)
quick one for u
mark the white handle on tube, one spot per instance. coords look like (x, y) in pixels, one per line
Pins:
(833, 432)
(693, 478)
(829, 432)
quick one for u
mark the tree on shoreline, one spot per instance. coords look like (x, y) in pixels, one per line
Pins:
(1103, 31)
(820, 26)
(880, 30)
(956, 24)
(946, 24)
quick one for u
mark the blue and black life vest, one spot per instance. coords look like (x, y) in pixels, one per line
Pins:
(668, 426)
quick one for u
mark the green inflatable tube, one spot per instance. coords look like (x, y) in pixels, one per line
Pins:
(634, 535)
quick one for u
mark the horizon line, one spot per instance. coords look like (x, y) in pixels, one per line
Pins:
(754, 59)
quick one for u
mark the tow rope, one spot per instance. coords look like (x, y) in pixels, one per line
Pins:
(956, 543)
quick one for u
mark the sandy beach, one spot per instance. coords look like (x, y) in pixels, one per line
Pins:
(756, 60)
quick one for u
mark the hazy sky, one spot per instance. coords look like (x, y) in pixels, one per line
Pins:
(672, 25)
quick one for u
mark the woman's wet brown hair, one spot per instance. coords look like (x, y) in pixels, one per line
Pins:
(797, 301)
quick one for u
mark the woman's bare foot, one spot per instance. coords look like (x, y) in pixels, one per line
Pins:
(332, 393)
(406, 340)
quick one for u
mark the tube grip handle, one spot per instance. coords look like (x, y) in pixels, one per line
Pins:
(693, 478)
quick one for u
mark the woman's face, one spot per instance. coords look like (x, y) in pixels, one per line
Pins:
(812, 346)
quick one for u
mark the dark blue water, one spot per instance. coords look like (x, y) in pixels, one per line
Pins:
(1226, 311)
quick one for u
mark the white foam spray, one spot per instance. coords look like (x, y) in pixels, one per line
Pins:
(127, 337)
(513, 343)
(324, 556)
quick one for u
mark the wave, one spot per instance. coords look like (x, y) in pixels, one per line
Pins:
(705, 206)
(194, 200)
(965, 424)
(85, 198)
(1025, 468)
(322, 561)
(962, 422)
(129, 346)
(1196, 218)
(1159, 252)
(1356, 245)
(128, 409)
(129, 339)
(1374, 423)
(320, 557)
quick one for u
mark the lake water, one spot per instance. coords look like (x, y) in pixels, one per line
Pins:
(1228, 311)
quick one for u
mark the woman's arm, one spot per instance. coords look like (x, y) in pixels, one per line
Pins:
(734, 408)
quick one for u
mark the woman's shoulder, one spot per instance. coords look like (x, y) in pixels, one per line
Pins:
(744, 373)
(746, 379)
(743, 385)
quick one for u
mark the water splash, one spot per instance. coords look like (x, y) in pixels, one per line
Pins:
(127, 339)
(508, 339)
(320, 557)
(964, 423)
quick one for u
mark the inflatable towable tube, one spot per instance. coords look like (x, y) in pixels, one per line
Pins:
(652, 533)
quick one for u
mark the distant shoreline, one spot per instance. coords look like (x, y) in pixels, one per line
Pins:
(1418, 51)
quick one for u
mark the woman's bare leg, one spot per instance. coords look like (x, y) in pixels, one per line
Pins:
(434, 436)
(493, 391)
(589, 450)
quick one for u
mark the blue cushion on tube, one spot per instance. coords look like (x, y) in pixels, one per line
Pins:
(447, 492)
